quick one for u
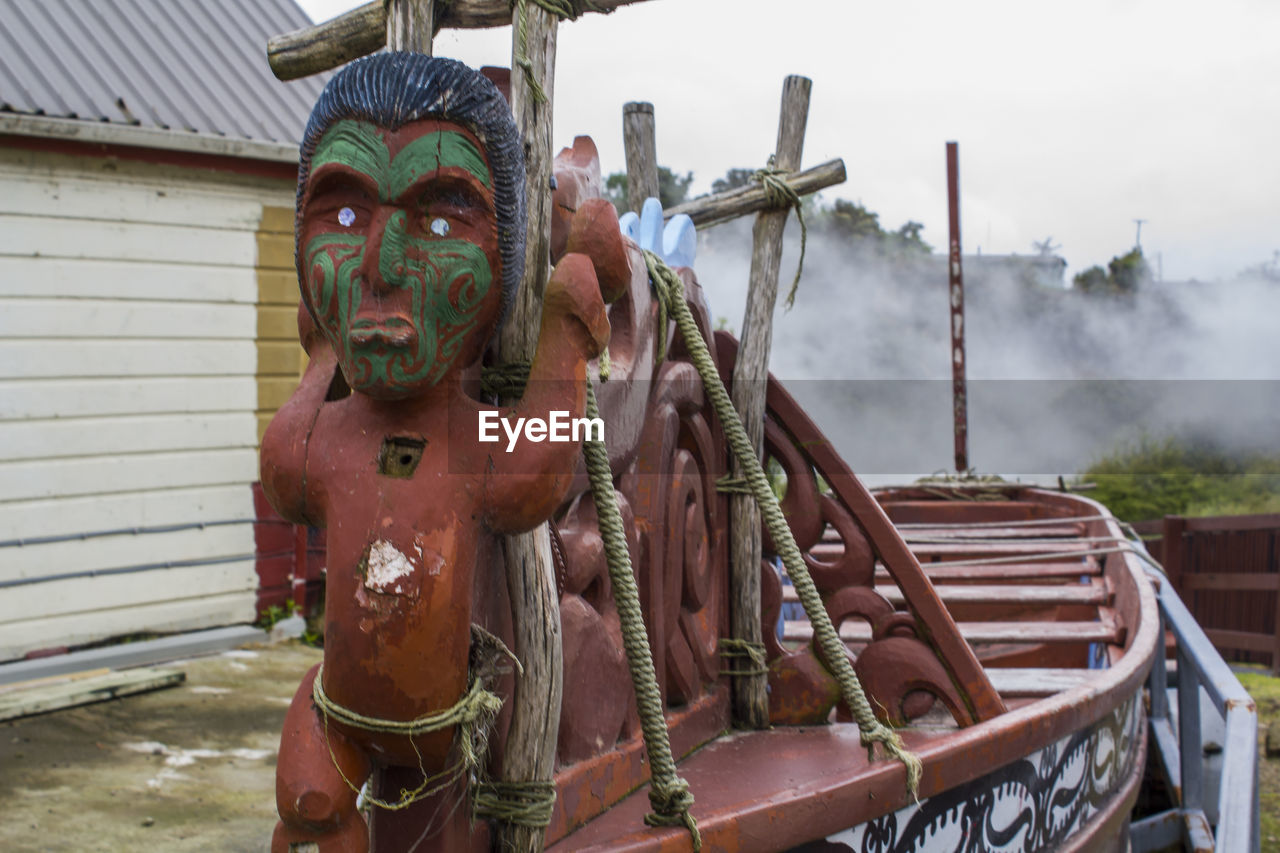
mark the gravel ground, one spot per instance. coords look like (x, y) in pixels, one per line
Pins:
(189, 768)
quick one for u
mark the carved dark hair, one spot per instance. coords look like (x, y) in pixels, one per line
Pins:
(393, 89)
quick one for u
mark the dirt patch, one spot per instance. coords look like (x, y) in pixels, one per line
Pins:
(190, 768)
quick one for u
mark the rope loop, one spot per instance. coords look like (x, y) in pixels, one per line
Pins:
(505, 381)
(473, 715)
(731, 485)
(530, 804)
(732, 647)
(671, 802)
(780, 195)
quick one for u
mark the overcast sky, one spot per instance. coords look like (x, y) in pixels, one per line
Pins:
(1073, 118)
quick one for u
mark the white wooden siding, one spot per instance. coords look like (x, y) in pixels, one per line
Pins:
(127, 397)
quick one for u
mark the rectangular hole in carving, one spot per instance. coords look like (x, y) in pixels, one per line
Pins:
(400, 455)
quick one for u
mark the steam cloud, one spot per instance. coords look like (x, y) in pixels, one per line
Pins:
(1057, 378)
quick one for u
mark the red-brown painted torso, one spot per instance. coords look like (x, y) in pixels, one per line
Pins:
(409, 613)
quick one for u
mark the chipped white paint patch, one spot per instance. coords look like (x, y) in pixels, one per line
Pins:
(387, 567)
(175, 757)
(204, 688)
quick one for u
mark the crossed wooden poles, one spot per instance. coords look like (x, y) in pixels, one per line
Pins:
(410, 25)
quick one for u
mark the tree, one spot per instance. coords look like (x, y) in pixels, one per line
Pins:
(851, 222)
(1125, 275)
(733, 179)
(1129, 272)
(673, 189)
(1092, 280)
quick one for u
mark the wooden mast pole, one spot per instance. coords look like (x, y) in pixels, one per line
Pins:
(531, 583)
(409, 25)
(750, 701)
(639, 142)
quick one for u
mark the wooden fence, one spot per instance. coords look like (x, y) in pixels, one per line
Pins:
(1227, 571)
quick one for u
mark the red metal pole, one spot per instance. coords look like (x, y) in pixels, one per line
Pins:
(958, 393)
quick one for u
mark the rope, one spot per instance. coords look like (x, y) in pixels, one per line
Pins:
(473, 715)
(668, 794)
(522, 803)
(780, 194)
(671, 290)
(730, 485)
(564, 10)
(505, 381)
(731, 647)
(605, 366)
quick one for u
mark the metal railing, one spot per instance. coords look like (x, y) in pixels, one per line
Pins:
(1180, 749)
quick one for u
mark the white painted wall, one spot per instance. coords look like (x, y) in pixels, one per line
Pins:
(127, 395)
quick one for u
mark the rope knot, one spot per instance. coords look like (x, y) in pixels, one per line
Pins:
(731, 647)
(731, 485)
(505, 381)
(893, 746)
(780, 195)
(529, 804)
(671, 803)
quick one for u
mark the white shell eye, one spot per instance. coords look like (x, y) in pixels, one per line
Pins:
(439, 226)
(346, 216)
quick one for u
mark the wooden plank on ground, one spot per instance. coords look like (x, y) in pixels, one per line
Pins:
(85, 691)
(50, 680)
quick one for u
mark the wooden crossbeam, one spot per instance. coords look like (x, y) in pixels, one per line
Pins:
(363, 30)
(741, 201)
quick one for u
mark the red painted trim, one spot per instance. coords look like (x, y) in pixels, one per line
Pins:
(158, 156)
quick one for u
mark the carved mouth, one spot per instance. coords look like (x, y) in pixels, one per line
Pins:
(391, 331)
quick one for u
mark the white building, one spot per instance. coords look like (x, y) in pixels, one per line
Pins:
(147, 310)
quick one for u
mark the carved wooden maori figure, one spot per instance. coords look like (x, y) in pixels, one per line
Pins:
(409, 241)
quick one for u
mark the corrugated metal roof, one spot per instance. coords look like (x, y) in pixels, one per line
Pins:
(182, 65)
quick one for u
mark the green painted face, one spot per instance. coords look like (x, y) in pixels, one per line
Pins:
(399, 246)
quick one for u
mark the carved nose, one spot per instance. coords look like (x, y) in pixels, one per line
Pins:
(384, 260)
